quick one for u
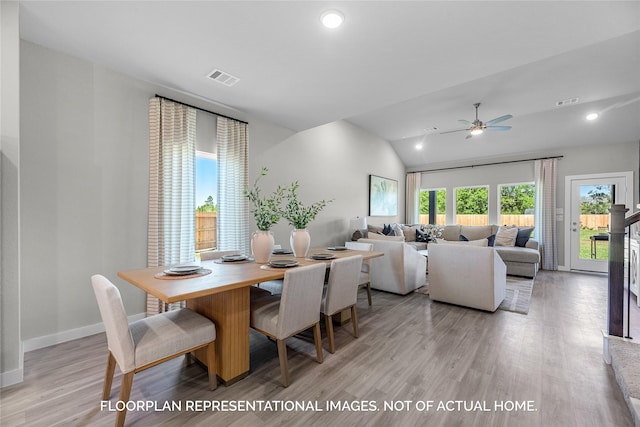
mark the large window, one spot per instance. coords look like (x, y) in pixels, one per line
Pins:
(516, 204)
(433, 206)
(206, 200)
(472, 205)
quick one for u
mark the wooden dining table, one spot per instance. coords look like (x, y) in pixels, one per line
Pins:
(223, 296)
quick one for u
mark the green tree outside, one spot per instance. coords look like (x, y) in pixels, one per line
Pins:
(472, 201)
(516, 199)
(441, 202)
(209, 206)
(597, 201)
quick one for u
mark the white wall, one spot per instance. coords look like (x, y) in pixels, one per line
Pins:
(10, 344)
(332, 161)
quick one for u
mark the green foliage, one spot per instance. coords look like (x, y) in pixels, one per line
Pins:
(296, 213)
(441, 202)
(472, 200)
(516, 199)
(597, 201)
(266, 210)
(208, 206)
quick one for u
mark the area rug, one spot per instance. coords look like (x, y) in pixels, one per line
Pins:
(517, 296)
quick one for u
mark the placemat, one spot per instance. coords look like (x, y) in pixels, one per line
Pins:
(202, 272)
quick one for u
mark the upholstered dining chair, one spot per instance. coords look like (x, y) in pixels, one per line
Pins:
(341, 294)
(296, 310)
(365, 279)
(148, 342)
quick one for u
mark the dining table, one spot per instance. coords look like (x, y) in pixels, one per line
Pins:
(220, 291)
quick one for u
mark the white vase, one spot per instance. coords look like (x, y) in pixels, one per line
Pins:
(262, 246)
(300, 241)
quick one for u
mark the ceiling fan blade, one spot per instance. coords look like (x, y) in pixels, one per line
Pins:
(499, 127)
(499, 119)
(466, 122)
(452, 131)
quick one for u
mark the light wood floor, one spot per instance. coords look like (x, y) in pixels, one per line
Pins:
(410, 349)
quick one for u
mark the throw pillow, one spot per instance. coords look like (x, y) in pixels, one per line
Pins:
(383, 237)
(491, 240)
(524, 234)
(461, 238)
(386, 229)
(421, 236)
(397, 230)
(479, 242)
(506, 236)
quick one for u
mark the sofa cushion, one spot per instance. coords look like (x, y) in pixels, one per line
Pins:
(409, 232)
(491, 240)
(506, 236)
(524, 233)
(475, 232)
(451, 232)
(518, 254)
(376, 236)
(479, 242)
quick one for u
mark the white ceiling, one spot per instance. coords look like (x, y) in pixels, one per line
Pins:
(397, 69)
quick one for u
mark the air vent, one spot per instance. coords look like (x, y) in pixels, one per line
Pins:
(224, 78)
(565, 102)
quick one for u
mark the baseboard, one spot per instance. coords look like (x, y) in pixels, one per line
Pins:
(563, 268)
(11, 377)
(71, 334)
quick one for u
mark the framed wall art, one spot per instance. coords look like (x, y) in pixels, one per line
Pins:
(383, 196)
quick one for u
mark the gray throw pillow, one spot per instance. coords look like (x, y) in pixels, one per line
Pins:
(524, 234)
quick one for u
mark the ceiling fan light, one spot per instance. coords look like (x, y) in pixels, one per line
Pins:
(476, 131)
(592, 116)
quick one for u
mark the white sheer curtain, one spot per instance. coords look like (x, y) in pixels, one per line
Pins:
(233, 175)
(413, 198)
(171, 227)
(546, 177)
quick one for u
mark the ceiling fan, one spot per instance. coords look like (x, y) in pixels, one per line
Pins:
(477, 127)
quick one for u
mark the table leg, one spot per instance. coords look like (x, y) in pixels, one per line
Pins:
(230, 312)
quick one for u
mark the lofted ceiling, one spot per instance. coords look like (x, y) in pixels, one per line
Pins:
(404, 71)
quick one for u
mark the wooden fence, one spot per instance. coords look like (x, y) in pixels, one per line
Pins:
(206, 230)
(591, 222)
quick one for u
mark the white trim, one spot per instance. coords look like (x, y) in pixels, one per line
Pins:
(563, 268)
(11, 377)
(71, 334)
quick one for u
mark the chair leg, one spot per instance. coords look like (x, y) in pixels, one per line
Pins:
(125, 393)
(284, 367)
(328, 321)
(211, 365)
(354, 320)
(189, 358)
(108, 377)
(369, 292)
(317, 338)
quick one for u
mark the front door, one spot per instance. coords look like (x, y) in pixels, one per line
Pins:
(591, 199)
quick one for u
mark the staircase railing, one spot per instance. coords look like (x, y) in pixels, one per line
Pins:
(617, 229)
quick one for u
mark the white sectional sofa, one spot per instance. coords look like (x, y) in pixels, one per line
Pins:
(401, 270)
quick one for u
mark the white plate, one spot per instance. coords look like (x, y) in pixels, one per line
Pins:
(172, 272)
(232, 258)
(184, 268)
(337, 248)
(283, 263)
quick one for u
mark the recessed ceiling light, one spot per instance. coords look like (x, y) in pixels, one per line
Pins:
(592, 116)
(419, 146)
(332, 19)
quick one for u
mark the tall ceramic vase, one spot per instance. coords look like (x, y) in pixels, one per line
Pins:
(300, 241)
(262, 246)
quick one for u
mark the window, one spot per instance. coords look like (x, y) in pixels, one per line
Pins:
(433, 203)
(472, 205)
(516, 204)
(206, 201)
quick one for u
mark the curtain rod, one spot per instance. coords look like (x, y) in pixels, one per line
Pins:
(488, 164)
(201, 109)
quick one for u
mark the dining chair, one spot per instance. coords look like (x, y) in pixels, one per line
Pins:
(148, 342)
(294, 311)
(365, 279)
(341, 293)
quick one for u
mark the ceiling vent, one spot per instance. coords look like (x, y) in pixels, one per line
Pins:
(565, 102)
(224, 78)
